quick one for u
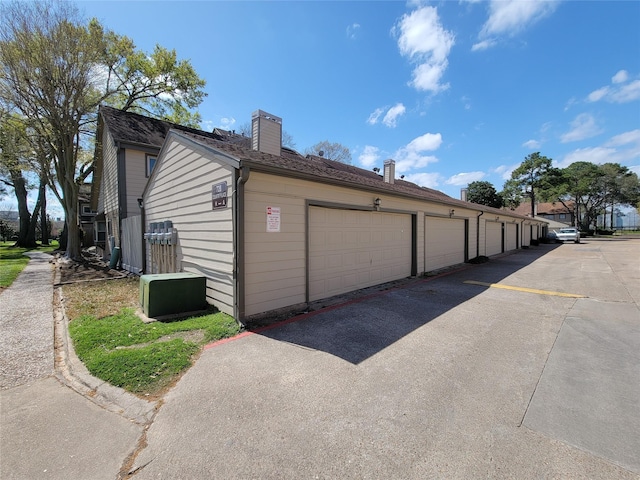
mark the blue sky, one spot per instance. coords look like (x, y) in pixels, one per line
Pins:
(453, 91)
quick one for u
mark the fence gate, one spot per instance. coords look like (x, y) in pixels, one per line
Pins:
(131, 244)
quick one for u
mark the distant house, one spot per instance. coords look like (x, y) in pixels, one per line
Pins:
(86, 215)
(127, 147)
(554, 211)
(271, 229)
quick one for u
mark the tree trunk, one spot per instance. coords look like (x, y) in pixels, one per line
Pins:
(43, 212)
(21, 192)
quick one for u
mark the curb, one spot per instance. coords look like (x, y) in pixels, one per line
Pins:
(73, 373)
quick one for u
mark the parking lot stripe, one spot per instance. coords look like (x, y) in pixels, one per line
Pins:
(528, 290)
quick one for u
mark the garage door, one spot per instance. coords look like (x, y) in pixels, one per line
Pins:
(493, 238)
(351, 249)
(444, 242)
(512, 237)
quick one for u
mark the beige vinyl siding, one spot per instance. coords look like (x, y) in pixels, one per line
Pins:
(135, 165)
(511, 232)
(444, 242)
(181, 191)
(108, 198)
(526, 234)
(275, 263)
(493, 238)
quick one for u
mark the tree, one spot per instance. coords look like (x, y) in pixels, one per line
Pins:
(534, 177)
(620, 187)
(578, 185)
(484, 193)
(330, 151)
(56, 69)
(16, 159)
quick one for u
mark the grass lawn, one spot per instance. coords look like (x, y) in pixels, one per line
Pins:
(118, 347)
(13, 261)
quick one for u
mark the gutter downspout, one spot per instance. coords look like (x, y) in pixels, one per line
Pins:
(478, 233)
(143, 221)
(238, 240)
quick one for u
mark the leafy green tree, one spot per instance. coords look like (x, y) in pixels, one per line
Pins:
(330, 151)
(620, 187)
(17, 165)
(484, 193)
(534, 178)
(56, 69)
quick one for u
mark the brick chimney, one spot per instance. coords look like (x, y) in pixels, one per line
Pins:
(266, 132)
(389, 171)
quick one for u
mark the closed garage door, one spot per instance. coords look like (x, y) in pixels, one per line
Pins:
(493, 238)
(351, 249)
(444, 242)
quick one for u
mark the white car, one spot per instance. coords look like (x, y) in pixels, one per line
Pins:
(568, 234)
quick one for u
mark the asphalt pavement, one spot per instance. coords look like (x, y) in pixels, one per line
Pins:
(438, 378)
(507, 377)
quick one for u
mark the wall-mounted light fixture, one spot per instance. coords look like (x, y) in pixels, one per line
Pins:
(376, 204)
(451, 212)
(497, 218)
(140, 204)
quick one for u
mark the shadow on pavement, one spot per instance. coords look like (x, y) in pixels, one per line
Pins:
(358, 329)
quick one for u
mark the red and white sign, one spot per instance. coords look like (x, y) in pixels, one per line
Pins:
(273, 219)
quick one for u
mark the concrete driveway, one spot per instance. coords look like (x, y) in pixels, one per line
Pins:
(437, 379)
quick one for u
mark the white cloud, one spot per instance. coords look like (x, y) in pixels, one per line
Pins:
(461, 179)
(621, 90)
(412, 156)
(227, 123)
(627, 93)
(583, 126)
(625, 138)
(429, 180)
(532, 144)
(620, 77)
(509, 17)
(423, 39)
(428, 141)
(505, 170)
(483, 45)
(352, 31)
(369, 156)
(375, 116)
(392, 115)
(623, 149)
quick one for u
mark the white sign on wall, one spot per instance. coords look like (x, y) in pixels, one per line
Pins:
(273, 219)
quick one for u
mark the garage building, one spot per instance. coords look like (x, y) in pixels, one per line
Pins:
(272, 229)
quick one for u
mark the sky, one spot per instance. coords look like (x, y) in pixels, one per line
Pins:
(453, 91)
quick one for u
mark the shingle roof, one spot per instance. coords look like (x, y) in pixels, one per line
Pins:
(128, 127)
(329, 171)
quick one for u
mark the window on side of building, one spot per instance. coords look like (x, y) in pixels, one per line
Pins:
(150, 163)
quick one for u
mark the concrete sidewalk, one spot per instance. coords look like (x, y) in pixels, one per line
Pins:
(47, 429)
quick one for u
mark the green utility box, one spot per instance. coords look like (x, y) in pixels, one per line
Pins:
(171, 293)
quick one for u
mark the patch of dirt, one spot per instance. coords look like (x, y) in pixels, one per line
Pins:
(90, 268)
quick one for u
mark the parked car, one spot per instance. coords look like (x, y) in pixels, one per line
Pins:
(568, 234)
